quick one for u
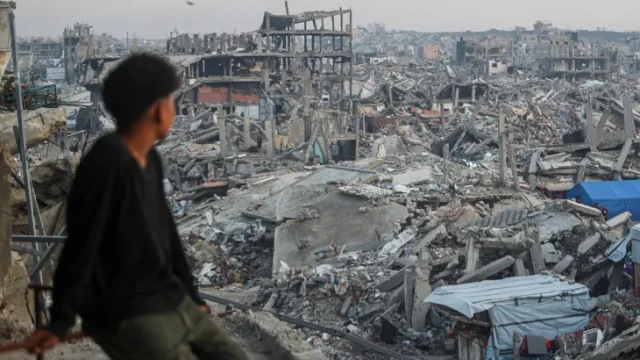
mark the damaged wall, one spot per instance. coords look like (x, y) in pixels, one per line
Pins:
(217, 95)
(39, 125)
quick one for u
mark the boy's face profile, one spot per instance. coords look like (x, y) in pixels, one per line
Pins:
(166, 114)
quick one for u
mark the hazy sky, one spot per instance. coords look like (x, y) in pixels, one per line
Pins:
(156, 18)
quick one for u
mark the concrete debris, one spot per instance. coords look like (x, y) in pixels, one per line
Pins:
(518, 268)
(618, 220)
(396, 244)
(557, 225)
(563, 265)
(588, 244)
(487, 270)
(344, 192)
(416, 177)
(39, 126)
(583, 209)
(367, 191)
(550, 254)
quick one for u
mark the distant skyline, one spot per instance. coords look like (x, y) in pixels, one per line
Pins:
(155, 19)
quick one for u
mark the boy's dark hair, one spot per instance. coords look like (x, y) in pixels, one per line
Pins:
(135, 84)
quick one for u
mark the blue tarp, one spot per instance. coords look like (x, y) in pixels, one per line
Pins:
(617, 196)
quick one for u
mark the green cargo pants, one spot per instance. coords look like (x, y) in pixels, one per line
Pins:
(183, 334)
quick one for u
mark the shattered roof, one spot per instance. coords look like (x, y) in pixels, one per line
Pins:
(469, 299)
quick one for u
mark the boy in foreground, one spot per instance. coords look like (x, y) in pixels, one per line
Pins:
(123, 269)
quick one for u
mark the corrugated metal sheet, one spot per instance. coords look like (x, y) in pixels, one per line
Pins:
(55, 74)
(503, 219)
(469, 299)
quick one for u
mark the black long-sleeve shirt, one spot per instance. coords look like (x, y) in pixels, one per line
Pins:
(123, 255)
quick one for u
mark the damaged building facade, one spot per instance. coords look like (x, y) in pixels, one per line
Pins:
(296, 70)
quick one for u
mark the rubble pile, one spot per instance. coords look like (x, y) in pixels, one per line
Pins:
(436, 202)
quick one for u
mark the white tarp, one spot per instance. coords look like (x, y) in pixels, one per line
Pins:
(543, 305)
(549, 319)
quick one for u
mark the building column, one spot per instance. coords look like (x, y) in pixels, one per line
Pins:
(222, 130)
(247, 132)
(501, 146)
(270, 139)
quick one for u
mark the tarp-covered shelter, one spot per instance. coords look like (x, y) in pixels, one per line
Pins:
(541, 305)
(617, 196)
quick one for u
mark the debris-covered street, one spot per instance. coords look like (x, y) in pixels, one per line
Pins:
(346, 191)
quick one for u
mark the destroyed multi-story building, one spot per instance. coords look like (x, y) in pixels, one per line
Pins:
(485, 48)
(78, 45)
(568, 58)
(488, 55)
(292, 64)
(562, 54)
(43, 48)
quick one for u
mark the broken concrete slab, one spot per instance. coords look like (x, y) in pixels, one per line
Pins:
(370, 311)
(339, 220)
(533, 168)
(563, 264)
(398, 242)
(443, 275)
(466, 217)
(583, 209)
(420, 309)
(488, 270)
(550, 254)
(559, 157)
(269, 208)
(39, 126)
(518, 268)
(282, 340)
(537, 258)
(436, 234)
(392, 281)
(472, 256)
(516, 244)
(588, 243)
(534, 202)
(346, 305)
(409, 291)
(415, 177)
(365, 190)
(558, 223)
(618, 220)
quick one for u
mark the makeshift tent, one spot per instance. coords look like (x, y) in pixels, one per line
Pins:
(617, 196)
(542, 305)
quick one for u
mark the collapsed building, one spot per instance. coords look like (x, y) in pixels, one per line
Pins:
(404, 207)
(287, 72)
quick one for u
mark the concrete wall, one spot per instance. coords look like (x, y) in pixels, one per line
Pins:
(496, 67)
